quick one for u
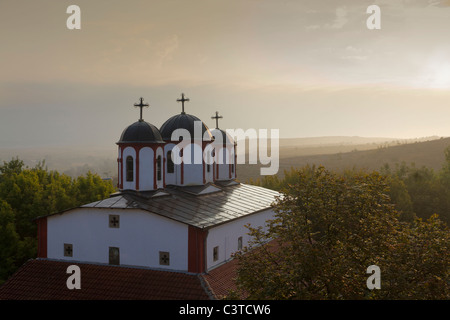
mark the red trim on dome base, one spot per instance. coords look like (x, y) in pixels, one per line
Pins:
(137, 148)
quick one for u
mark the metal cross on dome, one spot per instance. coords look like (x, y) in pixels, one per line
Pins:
(217, 117)
(141, 105)
(182, 100)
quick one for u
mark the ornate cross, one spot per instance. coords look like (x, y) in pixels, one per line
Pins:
(69, 250)
(217, 117)
(165, 259)
(114, 221)
(141, 105)
(182, 100)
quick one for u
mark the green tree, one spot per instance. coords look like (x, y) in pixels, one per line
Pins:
(327, 230)
(24, 194)
(91, 188)
(445, 171)
(9, 240)
(444, 178)
(27, 193)
(14, 166)
(427, 191)
(275, 183)
(399, 194)
(420, 192)
(418, 267)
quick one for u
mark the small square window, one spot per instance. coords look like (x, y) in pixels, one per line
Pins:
(216, 253)
(114, 221)
(114, 256)
(68, 250)
(240, 243)
(164, 258)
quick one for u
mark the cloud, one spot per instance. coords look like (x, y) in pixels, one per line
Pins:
(166, 49)
(341, 18)
(443, 3)
(354, 53)
(313, 27)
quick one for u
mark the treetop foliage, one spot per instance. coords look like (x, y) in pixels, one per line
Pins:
(328, 229)
(27, 193)
(416, 192)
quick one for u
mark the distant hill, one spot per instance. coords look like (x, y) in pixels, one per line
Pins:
(365, 156)
(335, 153)
(344, 140)
(71, 160)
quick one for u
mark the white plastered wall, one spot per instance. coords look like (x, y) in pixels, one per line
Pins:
(140, 237)
(225, 236)
(146, 166)
(225, 157)
(193, 172)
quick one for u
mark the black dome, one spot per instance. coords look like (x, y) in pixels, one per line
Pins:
(183, 121)
(141, 131)
(227, 139)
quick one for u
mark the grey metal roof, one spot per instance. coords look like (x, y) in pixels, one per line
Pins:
(199, 206)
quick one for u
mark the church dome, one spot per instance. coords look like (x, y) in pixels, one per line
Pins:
(227, 139)
(141, 132)
(183, 121)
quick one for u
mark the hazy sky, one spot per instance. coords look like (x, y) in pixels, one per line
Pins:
(307, 68)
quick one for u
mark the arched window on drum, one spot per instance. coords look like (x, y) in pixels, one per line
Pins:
(129, 168)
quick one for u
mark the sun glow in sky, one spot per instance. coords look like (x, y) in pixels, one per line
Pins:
(438, 75)
(308, 68)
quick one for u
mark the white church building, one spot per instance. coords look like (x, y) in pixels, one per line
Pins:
(167, 214)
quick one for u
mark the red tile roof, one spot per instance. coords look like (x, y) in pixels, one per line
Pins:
(221, 280)
(42, 279)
